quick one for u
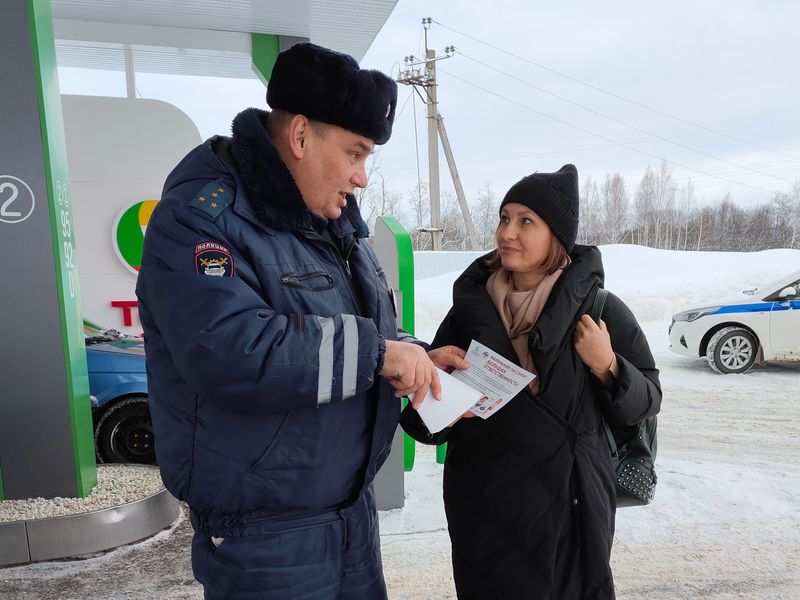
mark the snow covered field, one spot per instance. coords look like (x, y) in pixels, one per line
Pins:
(725, 522)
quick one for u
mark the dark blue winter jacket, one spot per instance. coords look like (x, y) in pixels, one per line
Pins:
(263, 333)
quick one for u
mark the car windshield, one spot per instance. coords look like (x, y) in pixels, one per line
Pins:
(778, 284)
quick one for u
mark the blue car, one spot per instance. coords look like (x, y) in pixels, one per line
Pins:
(123, 432)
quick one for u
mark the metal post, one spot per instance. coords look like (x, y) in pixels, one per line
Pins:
(46, 442)
(433, 152)
(130, 72)
(471, 233)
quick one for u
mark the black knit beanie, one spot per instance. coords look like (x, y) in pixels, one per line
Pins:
(552, 196)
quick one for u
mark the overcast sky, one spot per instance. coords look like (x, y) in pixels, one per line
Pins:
(730, 67)
(710, 86)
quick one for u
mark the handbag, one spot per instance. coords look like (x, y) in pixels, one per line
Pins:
(633, 449)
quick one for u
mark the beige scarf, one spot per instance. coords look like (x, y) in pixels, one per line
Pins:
(519, 311)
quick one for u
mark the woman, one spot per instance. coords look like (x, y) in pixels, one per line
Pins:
(529, 493)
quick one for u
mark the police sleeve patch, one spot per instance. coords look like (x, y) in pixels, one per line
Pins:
(213, 259)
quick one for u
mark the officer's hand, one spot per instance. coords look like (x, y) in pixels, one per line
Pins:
(409, 370)
(448, 358)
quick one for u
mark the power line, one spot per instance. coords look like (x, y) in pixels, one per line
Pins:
(617, 96)
(602, 137)
(621, 122)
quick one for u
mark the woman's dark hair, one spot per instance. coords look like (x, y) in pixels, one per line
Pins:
(554, 261)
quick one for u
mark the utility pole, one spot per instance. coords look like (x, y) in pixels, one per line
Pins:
(427, 81)
(433, 148)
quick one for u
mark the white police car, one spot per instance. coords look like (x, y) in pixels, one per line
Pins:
(763, 323)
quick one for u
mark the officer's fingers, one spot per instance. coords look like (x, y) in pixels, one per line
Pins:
(423, 375)
(419, 396)
(416, 400)
(405, 390)
(420, 393)
(436, 385)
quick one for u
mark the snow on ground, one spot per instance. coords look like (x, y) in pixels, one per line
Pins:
(725, 522)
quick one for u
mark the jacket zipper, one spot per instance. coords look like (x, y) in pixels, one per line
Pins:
(344, 265)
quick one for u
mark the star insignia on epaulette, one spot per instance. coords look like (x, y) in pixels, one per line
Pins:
(213, 199)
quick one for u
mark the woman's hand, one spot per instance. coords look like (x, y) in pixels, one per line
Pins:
(448, 358)
(593, 345)
(468, 414)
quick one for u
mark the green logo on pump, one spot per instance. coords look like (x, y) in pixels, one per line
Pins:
(128, 233)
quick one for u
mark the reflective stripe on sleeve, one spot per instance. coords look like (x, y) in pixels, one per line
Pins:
(325, 361)
(349, 372)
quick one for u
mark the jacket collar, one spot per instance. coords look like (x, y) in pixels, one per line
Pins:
(270, 187)
(571, 296)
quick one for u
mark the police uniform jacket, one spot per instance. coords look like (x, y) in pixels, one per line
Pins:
(529, 493)
(263, 331)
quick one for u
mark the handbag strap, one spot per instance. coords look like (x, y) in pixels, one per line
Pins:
(598, 304)
(597, 309)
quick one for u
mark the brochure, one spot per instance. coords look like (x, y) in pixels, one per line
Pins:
(490, 382)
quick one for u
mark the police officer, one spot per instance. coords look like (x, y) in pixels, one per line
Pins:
(273, 356)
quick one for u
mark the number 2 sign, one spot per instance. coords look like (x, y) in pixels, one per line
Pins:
(16, 200)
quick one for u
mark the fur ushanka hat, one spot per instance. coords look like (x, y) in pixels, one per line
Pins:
(329, 86)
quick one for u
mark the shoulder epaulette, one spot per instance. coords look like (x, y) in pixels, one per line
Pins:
(214, 198)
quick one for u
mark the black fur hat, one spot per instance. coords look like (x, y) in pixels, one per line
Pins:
(329, 86)
(552, 196)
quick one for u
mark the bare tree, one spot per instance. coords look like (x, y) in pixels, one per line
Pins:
(417, 198)
(685, 215)
(645, 206)
(659, 214)
(485, 210)
(663, 206)
(377, 200)
(590, 211)
(454, 236)
(615, 209)
(787, 207)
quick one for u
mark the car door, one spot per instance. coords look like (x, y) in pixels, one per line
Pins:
(784, 324)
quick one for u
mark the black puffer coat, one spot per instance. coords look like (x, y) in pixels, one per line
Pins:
(529, 492)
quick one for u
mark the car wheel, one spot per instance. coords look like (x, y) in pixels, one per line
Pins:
(732, 350)
(124, 433)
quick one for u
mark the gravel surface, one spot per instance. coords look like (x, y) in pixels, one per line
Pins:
(116, 484)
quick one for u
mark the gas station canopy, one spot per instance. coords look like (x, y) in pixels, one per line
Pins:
(205, 37)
